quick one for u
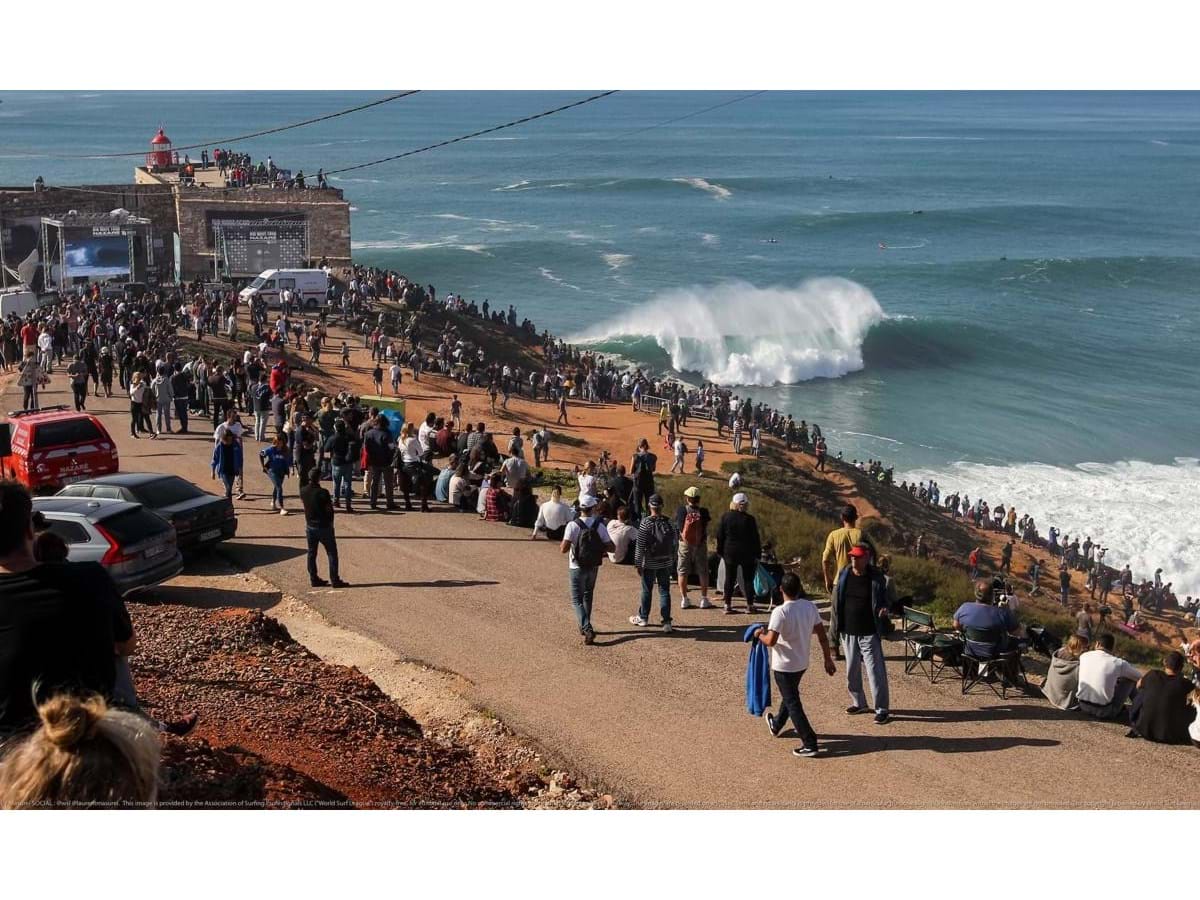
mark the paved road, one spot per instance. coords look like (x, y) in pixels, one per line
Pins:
(660, 719)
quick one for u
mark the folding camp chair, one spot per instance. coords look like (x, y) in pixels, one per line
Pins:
(925, 647)
(1004, 666)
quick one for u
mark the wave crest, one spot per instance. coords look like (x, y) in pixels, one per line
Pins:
(736, 333)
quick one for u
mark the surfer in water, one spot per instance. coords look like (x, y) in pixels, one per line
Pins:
(883, 245)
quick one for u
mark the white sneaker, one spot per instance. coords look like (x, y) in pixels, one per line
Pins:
(685, 603)
(637, 620)
(282, 511)
(667, 629)
(704, 604)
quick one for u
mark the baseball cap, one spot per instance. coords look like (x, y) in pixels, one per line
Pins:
(587, 501)
(693, 491)
(860, 550)
(741, 499)
(655, 501)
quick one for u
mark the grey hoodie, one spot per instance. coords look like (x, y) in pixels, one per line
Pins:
(1062, 680)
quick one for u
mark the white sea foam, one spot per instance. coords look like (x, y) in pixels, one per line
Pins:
(717, 190)
(712, 240)
(736, 333)
(1145, 513)
(451, 244)
(617, 260)
(550, 276)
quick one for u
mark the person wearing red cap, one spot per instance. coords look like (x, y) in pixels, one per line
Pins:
(860, 606)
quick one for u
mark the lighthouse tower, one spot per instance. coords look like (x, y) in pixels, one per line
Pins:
(160, 156)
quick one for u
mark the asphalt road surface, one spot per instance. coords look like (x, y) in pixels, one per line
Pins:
(660, 719)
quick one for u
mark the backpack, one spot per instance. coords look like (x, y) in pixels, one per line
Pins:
(661, 541)
(589, 548)
(693, 527)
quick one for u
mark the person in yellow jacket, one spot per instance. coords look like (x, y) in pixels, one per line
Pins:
(837, 556)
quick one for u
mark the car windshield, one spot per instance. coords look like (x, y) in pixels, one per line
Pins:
(66, 431)
(166, 492)
(258, 282)
(134, 526)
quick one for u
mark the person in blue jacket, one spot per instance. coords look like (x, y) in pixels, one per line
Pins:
(277, 463)
(860, 604)
(227, 461)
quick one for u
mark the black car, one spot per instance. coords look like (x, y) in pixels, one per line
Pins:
(199, 517)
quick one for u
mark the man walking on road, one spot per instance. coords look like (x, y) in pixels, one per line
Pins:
(318, 529)
(860, 604)
(654, 556)
(586, 540)
(789, 635)
(691, 521)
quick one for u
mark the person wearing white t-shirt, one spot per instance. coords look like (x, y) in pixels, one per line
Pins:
(735, 481)
(789, 635)
(553, 517)
(1105, 681)
(582, 571)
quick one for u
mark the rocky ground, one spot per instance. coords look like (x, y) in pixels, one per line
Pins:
(280, 728)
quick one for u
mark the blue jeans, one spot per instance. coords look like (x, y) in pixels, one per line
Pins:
(343, 476)
(662, 577)
(865, 650)
(276, 487)
(583, 585)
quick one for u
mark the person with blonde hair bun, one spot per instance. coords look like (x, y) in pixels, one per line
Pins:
(83, 754)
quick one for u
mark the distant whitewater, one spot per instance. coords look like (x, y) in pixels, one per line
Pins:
(1145, 513)
(736, 333)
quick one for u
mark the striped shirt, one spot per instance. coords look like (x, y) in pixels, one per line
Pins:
(642, 555)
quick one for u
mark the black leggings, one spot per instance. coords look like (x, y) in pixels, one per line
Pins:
(748, 567)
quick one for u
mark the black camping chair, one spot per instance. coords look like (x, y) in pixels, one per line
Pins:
(926, 648)
(1004, 665)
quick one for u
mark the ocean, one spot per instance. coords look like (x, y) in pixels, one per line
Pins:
(996, 290)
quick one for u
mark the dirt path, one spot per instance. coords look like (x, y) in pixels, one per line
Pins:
(659, 720)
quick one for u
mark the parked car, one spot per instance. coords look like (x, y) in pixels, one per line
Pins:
(198, 516)
(135, 545)
(56, 446)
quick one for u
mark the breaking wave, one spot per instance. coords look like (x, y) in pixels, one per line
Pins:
(717, 190)
(736, 333)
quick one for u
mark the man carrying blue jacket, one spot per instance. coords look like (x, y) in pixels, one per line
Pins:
(860, 604)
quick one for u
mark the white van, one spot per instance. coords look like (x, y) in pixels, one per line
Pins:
(17, 302)
(308, 287)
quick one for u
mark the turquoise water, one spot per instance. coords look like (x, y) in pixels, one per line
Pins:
(1034, 309)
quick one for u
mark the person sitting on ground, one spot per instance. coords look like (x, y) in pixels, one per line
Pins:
(516, 472)
(82, 755)
(553, 516)
(1105, 681)
(623, 536)
(1062, 678)
(461, 493)
(441, 490)
(981, 614)
(1161, 712)
(497, 500)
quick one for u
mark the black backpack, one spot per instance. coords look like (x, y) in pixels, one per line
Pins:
(589, 549)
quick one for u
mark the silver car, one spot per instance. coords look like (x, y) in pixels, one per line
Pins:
(136, 546)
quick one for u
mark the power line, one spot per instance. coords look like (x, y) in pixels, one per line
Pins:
(255, 134)
(623, 134)
(474, 134)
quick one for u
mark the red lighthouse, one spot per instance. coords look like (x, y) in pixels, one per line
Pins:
(160, 156)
